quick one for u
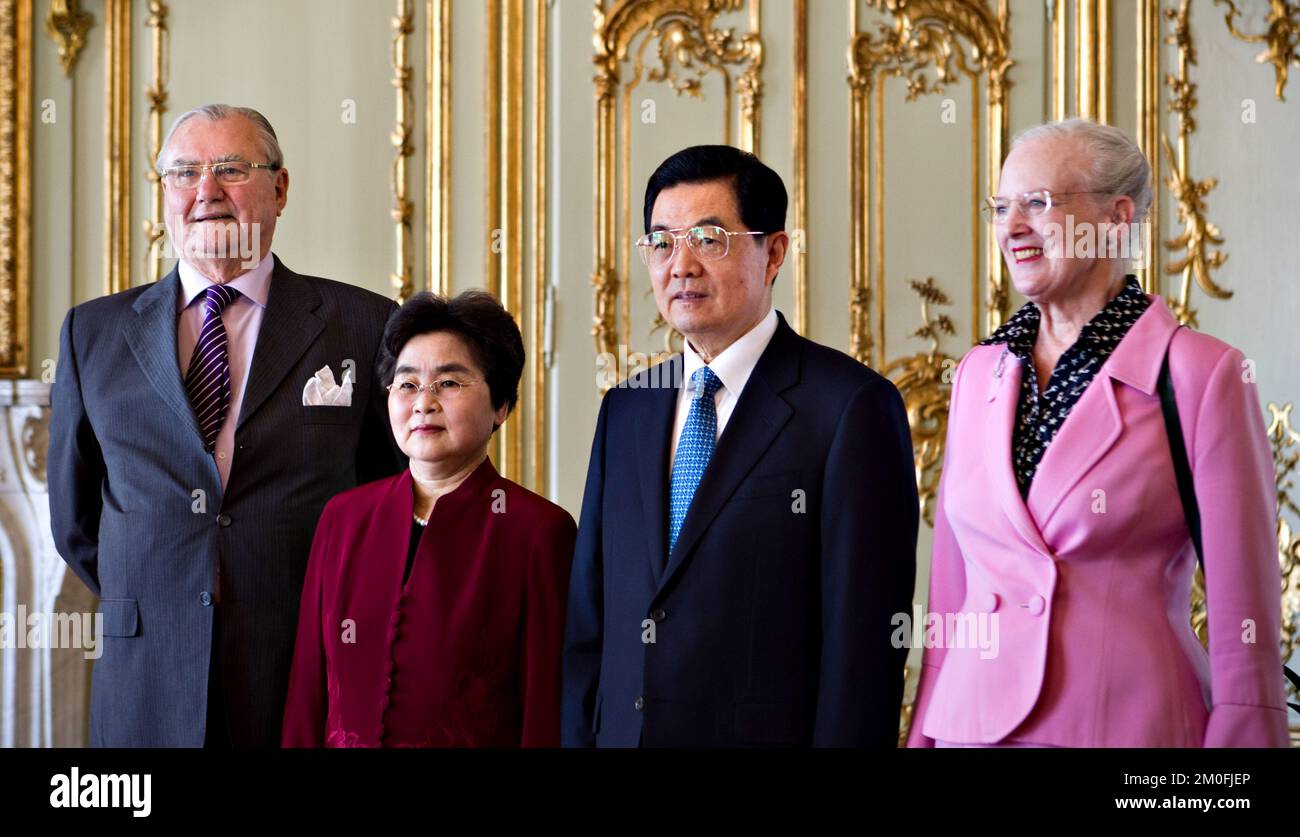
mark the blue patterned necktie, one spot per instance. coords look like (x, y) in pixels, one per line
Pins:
(208, 378)
(694, 449)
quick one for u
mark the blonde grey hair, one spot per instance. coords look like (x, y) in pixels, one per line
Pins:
(217, 113)
(1118, 166)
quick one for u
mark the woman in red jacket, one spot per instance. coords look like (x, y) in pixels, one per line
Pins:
(433, 609)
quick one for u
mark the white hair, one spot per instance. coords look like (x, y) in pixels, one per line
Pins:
(217, 113)
(1118, 166)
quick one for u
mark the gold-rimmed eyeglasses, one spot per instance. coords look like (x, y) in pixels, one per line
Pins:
(709, 243)
(227, 173)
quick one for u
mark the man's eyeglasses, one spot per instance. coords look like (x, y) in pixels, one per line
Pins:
(229, 173)
(708, 243)
(996, 210)
(448, 389)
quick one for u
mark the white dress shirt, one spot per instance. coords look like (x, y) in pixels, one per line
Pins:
(733, 366)
(243, 321)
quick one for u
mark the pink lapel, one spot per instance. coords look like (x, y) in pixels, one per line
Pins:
(1095, 423)
(1004, 390)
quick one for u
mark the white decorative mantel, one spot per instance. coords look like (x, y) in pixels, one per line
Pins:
(44, 693)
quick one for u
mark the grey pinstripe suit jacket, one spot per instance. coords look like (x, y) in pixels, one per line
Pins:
(126, 461)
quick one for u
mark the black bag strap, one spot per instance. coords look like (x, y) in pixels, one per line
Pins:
(1182, 468)
(1186, 487)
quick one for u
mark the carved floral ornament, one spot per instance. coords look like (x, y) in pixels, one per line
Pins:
(929, 43)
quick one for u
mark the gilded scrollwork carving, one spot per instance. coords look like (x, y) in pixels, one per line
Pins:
(67, 24)
(1199, 236)
(923, 45)
(1285, 442)
(924, 379)
(1281, 37)
(930, 45)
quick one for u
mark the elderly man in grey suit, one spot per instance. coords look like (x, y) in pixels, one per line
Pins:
(188, 465)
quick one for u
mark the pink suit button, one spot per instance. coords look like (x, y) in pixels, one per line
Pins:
(991, 602)
(1037, 605)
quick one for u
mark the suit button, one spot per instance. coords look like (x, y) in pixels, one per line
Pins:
(205, 599)
(1036, 605)
(658, 615)
(639, 704)
(223, 520)
(991, 602)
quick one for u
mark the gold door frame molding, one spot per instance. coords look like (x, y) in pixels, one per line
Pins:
(922, 40)
(15, 185)
(689, 46)
(1281, 37)
(1092, 88)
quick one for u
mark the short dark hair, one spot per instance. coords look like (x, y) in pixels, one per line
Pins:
(477, 318)
(760, 195)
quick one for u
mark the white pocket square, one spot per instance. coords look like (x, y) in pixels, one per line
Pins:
(322, 391)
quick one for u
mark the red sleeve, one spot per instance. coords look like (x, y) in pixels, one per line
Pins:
(545, 598)
(307, 703)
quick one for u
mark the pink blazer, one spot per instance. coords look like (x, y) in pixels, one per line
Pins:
(1090, 577)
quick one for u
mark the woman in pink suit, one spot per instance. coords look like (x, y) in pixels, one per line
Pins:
(1059, 514)
(433, 609)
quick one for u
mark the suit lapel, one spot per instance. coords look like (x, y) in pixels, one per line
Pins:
(1004, 392)
(654, 431)
(1095, 422)
(289, 327)
(1087, 434)
(755, 422)
(152, 339)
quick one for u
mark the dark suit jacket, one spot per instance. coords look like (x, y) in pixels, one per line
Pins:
(138, 512)
(771, 621)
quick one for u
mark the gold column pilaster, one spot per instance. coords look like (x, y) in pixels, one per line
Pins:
(403, 24)
(437, 149)
(538, 322)
(799, 145)
(505, 189)
(117, 172)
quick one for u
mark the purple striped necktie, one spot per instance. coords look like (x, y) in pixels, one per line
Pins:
(208, 378)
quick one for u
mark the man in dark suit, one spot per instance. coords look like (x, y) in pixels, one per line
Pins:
(186, 471)
(749, 521)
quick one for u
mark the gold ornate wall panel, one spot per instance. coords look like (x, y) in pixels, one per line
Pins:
(679, 45)
(931, 45)
(15, 184)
